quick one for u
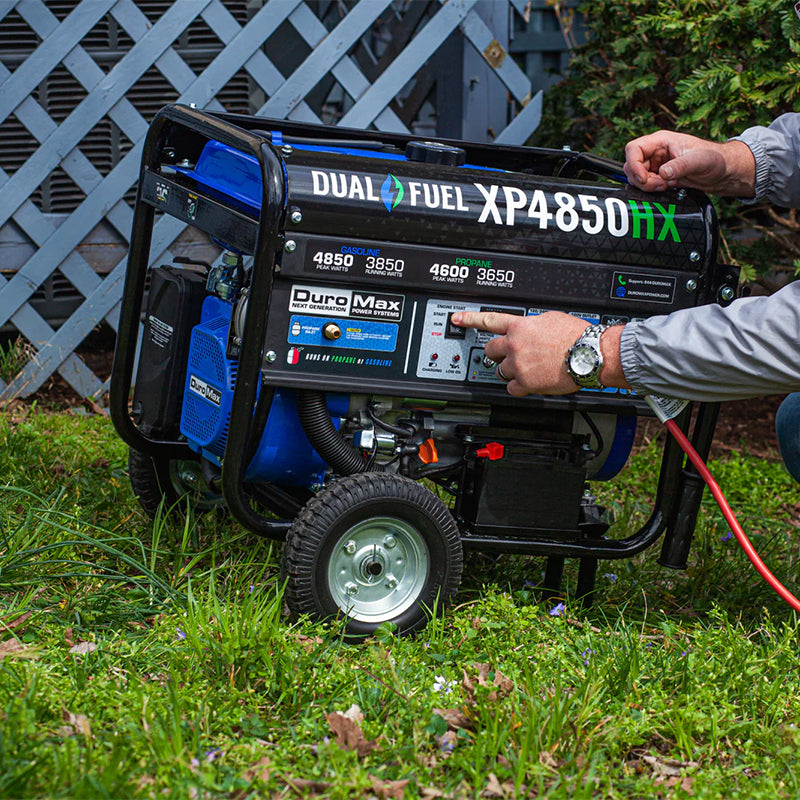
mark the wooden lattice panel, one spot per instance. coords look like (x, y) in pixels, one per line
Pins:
(335, 74)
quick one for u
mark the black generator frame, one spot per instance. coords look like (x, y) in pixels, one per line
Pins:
(180, 132)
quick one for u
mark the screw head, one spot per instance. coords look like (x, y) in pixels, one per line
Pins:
(287, 150)
(727, 293)
(189, 477)
(290, 246)
(694, 256)
(390, 542)
(270, 356)
(691, 285)
(681, 194)
(350, 547)
(351, 589)
(391, 582)
(297, 217)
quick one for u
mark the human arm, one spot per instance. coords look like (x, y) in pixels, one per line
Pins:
(667, 159)
(750, 348)
(761, 163)
(532, 349)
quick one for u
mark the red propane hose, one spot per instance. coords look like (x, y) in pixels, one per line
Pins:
(730, 517)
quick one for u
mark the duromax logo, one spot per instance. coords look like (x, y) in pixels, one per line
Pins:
(392, 192)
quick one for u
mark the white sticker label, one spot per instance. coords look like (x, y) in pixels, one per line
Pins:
(205, 390)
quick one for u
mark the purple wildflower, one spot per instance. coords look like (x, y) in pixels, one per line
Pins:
(726, 537)
(557, 610)
(586, 655)
(180, 634)
(611, 576)
(213, 753)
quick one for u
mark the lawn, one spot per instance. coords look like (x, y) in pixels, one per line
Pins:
(142, 659)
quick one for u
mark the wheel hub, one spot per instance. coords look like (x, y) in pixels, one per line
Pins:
(377, 569)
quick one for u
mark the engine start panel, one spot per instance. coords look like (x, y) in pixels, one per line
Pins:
(403, 342)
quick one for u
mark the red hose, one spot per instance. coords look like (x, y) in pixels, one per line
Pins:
(730, 517)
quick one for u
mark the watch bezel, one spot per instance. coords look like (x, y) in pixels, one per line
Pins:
(589, 340)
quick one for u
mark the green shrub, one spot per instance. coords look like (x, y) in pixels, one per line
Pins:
(707, 67)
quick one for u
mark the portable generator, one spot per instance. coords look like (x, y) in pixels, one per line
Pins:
(310, 380)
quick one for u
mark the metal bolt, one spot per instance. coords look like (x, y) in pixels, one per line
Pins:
(390, 542)
(694, 256)
(391, 582)
(290, 246)
(297, 217)
(237, 340)
(270, 356)
(681, 194)
(286, 150)
(726, 293)
(184, 162)
(691, 285)
(351, 589)
(189, 478)
(350, 547)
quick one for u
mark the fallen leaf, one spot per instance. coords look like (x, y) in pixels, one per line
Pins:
(493, 787)
(668, 767)
(11, 647)
(546, 759)
(15, 623)
(429, 793)
(349, 734)
(354, 713)
(68, 637)
(77, 723)
(82, 648)
(258, 770)
(455, 718)
(503, 686)
(301, 785)
(388, 789)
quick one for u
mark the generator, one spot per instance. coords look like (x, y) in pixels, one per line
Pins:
(310, 380)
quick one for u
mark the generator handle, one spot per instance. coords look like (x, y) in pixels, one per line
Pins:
(179, 120)
(165, 123)
(248, 376)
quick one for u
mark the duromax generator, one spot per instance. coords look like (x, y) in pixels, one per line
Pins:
(310, 378)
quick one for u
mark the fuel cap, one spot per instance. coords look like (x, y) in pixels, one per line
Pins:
(436, 153)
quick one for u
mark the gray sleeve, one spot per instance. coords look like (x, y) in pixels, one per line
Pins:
(749, 349)
(777, 153)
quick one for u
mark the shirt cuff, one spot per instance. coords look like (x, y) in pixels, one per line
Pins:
(759, 152)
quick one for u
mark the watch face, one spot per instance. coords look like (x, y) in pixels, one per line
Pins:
(583, 360)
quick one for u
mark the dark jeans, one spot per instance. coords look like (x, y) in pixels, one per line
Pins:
(787, 426)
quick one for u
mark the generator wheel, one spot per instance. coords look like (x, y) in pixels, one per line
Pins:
(374, 547)
(172, 480)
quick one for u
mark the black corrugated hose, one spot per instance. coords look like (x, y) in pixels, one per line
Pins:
(316, 420)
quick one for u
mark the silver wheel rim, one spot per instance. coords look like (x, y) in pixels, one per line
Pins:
(377, 569)
(187, 478)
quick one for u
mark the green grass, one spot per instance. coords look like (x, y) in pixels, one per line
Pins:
(194, 683)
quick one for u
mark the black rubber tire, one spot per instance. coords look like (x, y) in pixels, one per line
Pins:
(155, 480)
(348, 504)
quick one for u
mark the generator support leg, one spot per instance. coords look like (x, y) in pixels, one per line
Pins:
(587, 572)
(552, 577)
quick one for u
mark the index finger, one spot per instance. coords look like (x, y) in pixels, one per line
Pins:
(490, 321)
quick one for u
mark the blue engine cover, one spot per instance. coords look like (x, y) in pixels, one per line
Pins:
(284, 455)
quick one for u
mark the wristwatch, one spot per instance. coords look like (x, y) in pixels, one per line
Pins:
(584, 359)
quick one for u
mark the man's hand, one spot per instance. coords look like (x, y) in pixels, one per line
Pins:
(531, 349)
(667, 159)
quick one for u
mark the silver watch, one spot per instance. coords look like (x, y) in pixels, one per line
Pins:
(584, 359)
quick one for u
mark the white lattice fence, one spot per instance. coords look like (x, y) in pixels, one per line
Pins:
(362, 63)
